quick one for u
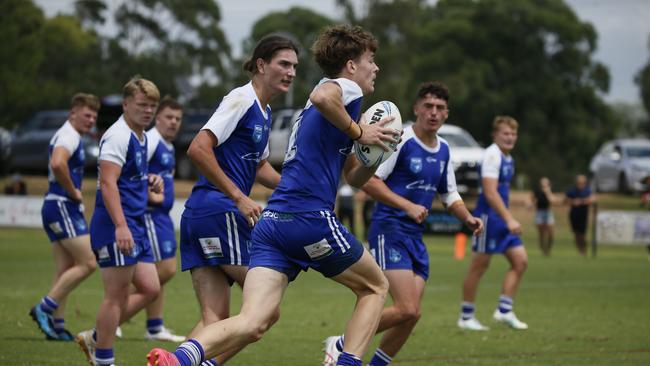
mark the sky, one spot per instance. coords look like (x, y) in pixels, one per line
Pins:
(623, 28)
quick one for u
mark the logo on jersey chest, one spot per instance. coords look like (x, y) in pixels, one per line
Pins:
(258, 131)
(416, 165)
(442, 166)
(138, 159)
(507, 170)
(167, 159)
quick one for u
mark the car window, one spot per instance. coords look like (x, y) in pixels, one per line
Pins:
(606, 149)
(46, 121)
(462, 139)
(638, 151)
(192, 122)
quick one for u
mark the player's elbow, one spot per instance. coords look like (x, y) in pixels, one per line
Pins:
(318, 98)
(57, 165)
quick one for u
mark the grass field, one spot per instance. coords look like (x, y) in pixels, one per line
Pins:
(580, 311)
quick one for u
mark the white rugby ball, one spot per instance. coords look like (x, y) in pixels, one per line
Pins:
(373, 155)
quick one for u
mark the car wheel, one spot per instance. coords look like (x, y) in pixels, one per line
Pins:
(185, 168)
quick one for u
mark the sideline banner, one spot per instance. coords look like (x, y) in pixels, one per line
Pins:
(623, 227)
(22, 211)
(25, 211)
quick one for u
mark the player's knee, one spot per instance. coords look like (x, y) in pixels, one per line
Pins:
(89, 266)
(150, 290)
(255, 329)
(381, 288)
(409, 313)
(275, 316)
(521, 265)
(166, 274)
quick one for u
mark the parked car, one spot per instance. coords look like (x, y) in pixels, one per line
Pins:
(621, 165)
(193, 120)
(29, 150)
(466, 156)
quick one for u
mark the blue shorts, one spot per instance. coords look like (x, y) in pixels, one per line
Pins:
(63, 219)
(544, 217)
(291, 242)
(102, 239)
(400, 251)
(223, 238)
(496, 238)
(160, 232)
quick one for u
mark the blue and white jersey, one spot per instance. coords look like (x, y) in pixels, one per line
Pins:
(498, 166)
(67, 137)
(120, 145)
(241, 126)
(416, 172)
(315, 156)
(160, 155)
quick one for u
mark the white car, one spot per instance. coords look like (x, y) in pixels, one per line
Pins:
(466, 156)
(621, 165)
(283, 120)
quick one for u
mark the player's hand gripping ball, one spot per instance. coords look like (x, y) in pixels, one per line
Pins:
(373, 155)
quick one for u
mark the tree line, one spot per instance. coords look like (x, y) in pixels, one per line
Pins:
(530, 59)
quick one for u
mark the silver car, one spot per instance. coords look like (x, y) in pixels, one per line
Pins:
(621, 165)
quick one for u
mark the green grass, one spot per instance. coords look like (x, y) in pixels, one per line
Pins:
(580, 311)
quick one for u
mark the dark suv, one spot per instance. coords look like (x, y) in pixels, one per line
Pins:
(31, 140)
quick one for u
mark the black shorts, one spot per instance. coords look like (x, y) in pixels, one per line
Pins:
(578, 219)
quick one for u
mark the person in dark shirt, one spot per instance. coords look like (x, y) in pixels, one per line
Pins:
(543, 199)
(579, 198)
(16, 186)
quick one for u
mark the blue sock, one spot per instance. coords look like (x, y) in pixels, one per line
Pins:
(104, 356)
(48, 305)
(348, 359)
(340, 342)
(59, 325)
(190, 353)
(154, 325)
(505, 304)
(210, 362)
(466, 310)
(380, 359)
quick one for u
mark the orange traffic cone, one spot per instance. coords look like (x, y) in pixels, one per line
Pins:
(460, 242)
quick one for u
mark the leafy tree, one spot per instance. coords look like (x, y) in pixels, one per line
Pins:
(530, 59)
(44, 61)
(20, 57)
(168, 40)
(642, 79)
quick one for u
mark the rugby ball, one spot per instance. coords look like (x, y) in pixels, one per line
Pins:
(373, 155)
